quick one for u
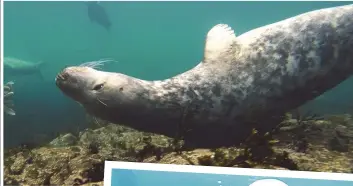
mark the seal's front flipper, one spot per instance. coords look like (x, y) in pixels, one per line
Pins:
(220, 44)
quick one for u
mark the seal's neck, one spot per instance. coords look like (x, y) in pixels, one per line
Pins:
(178, 90)
(169, 92)
(151, 106)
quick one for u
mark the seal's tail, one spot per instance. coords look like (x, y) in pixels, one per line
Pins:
(40, 66)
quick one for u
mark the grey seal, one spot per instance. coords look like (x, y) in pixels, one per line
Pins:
(19, 67)
(97, 14)
(240, 83)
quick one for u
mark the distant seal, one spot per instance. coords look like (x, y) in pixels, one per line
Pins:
(19, 67)
(96, 13)
(253, 77)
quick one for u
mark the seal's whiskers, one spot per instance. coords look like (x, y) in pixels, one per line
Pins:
(96, 64)
(102, 102)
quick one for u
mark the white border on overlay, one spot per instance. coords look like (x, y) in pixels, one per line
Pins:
(109, 165)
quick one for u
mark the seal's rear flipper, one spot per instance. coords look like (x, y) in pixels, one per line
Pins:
(40, 75)
(220, 44)
(40, 66)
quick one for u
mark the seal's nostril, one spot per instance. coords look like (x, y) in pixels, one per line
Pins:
(62, 76)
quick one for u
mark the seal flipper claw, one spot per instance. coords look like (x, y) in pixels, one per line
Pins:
(220, 40)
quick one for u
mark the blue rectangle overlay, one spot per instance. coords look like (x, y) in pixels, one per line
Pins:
(146, 174)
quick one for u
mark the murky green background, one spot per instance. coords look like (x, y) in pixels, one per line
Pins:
(150, 40)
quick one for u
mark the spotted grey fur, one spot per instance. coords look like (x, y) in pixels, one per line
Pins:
(241, 82)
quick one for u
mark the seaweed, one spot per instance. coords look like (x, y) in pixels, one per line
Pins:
(256, 150)
(300, 128)
(149, 150)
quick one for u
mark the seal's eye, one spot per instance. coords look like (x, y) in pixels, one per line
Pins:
(98, 87)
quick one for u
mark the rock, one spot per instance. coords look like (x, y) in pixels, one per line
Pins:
(19, 163)
(80, 161)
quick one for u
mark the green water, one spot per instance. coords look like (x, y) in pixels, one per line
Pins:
(149, 40)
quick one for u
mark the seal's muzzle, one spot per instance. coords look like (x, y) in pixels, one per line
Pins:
(68, 82)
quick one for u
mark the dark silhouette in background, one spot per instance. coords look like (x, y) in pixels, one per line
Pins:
(97, 14)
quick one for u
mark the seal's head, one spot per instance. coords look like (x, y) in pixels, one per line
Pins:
(83, 84)
(97, 90)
